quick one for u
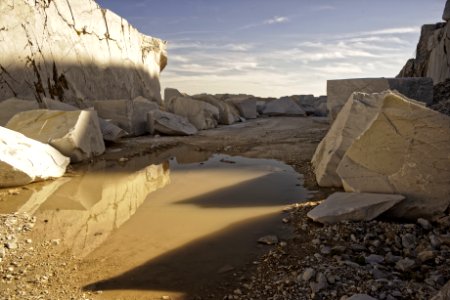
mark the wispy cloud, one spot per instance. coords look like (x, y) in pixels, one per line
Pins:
(323, 7)
(276, 20)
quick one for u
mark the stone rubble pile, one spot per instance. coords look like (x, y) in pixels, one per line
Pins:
(353, 260)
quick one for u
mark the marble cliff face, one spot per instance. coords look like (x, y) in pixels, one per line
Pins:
(75, 51)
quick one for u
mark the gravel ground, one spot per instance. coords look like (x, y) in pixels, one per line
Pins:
(378, 258)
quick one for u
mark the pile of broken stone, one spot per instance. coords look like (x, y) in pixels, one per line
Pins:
(39, 140)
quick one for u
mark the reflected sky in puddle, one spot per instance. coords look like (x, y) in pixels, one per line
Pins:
(203, 213)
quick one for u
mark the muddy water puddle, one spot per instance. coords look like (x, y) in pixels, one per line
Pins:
(147, 229)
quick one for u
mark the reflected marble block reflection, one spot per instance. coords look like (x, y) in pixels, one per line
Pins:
(83, 211)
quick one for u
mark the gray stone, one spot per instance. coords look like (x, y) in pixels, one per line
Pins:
(361, 297)
(75, 50)
(268, 240)
(168, 123)
(12, 106)
(403, 142)
(201, 114)
(283, 107)
(408, 241)
(444, 292)
(446, 14)
(246, 105)
(170, 93)
(424, 223)
(110, 131)
(405, 264)
(308, 274)
(130, 115)
(352, 206)
(24, 160)
(374, 259)
(75, 134)
(338, 91)
(426, 255)
(228, 113)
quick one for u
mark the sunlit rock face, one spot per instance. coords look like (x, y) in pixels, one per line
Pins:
(75, 51)
(83, 211)
(432, 55)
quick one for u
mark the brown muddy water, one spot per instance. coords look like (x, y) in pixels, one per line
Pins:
(147, 229)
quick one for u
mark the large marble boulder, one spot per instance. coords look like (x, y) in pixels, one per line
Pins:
(201, 114)
(228, 113)
(283, 107)
(24, 160)
(111, 132)
(75, 134)
(353, 119)
(169, 124)
(130, 115)
(353, 207)
(12, 106)
(246, 105)
(338, 91)
(74, 50)
(404, 150)
(170, 93)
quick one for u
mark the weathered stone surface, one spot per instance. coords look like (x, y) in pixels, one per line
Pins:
(420, 89)
(432, 59)
(201, 114)
(73, 49)
(446, 14)
(228, 114)
(170, 93)
(405, 150)
(23, 160)
(12, 106)
(130, 115)
(444, 293)
(75, 134)
(111, 132)
(283, 107)
(168, 123)
(351, 122)
(353, 207)
(246, 105)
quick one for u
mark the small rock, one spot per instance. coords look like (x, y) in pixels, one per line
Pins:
(308, 274)
(325, 250)
(374, 259)
(405, 264)
(268, 240)
(426, 255)
(424, 223)
(408, 241)
(435, 242)
(11, 245)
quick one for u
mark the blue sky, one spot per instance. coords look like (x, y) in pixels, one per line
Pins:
(279, 47)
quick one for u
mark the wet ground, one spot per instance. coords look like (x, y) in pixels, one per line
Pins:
(164, 216)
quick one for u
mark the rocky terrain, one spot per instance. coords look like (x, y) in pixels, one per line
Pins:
(372, 150)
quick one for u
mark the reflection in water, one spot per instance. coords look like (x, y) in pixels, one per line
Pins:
(82, 211)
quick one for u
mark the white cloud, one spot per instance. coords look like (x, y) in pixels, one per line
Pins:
(322, 7)
(276, 20)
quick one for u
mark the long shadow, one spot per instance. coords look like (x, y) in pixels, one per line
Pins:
(195, 268)
(273, 189)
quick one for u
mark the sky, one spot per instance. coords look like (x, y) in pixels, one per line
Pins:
(279, 47)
